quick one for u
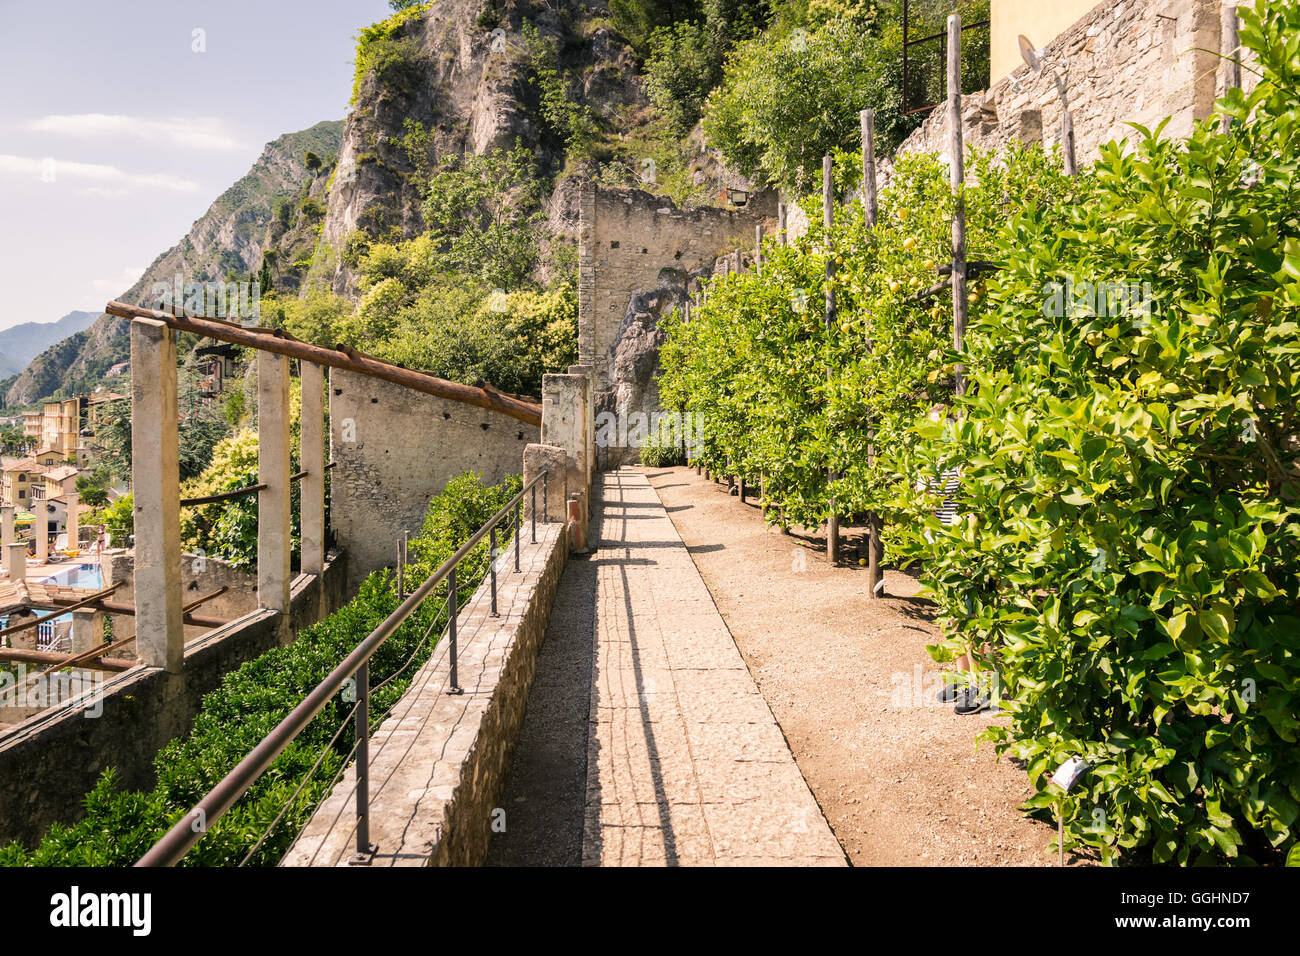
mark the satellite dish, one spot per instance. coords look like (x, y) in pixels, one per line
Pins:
(1032, 57)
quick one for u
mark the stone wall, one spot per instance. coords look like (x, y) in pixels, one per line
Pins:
(637, 257)
(438, 762)
(394, 449)
(48, 763)
(1134, 61)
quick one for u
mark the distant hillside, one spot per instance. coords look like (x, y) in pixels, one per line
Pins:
(274, 204)
(22, 343)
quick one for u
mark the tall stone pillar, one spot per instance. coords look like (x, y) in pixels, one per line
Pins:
(6, 531)
(160, 630)
(589, 462)
(311, 489)
(41, 532)
(273, 470)
(564, 423)
(73, 522)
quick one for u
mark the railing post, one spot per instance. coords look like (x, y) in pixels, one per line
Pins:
(455, 687)
(533, 510)
(160, 630)
(545, 497)
(519, 529)
(274, 471)
(492, 564)
(311, 489)
(365, 849)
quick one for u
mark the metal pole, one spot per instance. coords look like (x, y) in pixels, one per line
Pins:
(401, 582)
(492, 563)
(533, 517)
(364, 847)
(828, 220)
(519, 529)
(546, 498)
(451, 630)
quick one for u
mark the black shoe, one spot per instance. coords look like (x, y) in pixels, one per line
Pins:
(948, 693)
(970, 701)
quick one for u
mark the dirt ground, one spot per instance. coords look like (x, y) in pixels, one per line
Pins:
(897, 774)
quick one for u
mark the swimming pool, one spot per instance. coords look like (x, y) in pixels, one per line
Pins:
(85, 576)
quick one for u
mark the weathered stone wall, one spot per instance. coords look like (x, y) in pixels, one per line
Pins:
(636, 257)
(394, 449)
(439, 761)
(48, 763)
(1136, 61)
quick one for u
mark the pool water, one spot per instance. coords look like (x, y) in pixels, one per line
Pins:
(85, 576)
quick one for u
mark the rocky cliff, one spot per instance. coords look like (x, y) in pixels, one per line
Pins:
(458, 79)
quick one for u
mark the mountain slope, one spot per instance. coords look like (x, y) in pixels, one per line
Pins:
(22, 343)
(229, 239)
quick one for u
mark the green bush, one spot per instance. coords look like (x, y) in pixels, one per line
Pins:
(1133, 480)
(382, 47)
(1128, 554)
(792, 94)
(119, 826)
(684, 64)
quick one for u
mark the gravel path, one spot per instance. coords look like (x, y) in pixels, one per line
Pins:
(896, 774)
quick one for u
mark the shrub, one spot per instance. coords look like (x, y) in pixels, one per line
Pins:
(382, 48)
(1133, 481)
(1127, 561)
(683, 66)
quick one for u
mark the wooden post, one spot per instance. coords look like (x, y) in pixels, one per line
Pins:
(1067, 134)
(780, 223)
(828, 220)
(758, 248)
(1232, 57)
(868, 118)
(875, 584)
(957, 176)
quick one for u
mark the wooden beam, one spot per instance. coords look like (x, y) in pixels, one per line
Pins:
(85, 602)
(281, 343)
(114, 664)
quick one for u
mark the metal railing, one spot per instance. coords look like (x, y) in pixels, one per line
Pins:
(190, 829)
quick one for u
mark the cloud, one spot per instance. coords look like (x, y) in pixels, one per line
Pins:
(111, 180)
(197, 133)
(127, 277)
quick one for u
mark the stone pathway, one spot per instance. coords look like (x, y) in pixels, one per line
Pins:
(685, 763)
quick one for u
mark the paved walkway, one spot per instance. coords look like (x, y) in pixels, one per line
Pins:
(685, 763)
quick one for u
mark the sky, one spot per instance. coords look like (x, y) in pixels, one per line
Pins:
(122, 120)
